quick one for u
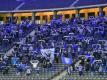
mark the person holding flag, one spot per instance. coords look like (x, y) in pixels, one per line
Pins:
(66, 59)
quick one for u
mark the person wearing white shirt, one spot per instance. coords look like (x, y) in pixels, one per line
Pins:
(35, 65)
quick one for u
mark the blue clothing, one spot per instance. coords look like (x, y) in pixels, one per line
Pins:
(14, 60)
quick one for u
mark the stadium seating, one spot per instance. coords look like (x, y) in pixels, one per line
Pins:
(12, 35)
(86, 46)
(86, 76)
(46, 74)
(54, 47)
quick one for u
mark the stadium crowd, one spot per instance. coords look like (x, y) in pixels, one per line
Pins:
(10, 32)
(81, 40)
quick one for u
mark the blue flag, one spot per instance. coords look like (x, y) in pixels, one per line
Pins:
(14, 60)
(66, 60)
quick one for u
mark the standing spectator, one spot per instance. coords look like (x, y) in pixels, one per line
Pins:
(69, 70)
(28, 71)
(100, 70)
(80, 69)
(92, 69)
(35, 64)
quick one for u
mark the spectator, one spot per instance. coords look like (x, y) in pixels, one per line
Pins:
(100, 70)
(28, 71)
(80, 69)
(69, 70)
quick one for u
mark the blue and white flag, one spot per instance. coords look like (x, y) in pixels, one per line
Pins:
(46, 52)
(66, 60)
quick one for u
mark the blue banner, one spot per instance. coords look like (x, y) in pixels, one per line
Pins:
(14, 60)
(66, 60)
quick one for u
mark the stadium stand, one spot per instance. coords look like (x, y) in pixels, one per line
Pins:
(86, 47)
(11, 33)
(86, 76)
(75, 46)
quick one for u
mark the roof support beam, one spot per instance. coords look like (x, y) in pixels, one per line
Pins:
(77, 13)
(101, 11)
(11, 17)
(55, 14)
(33, 17)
